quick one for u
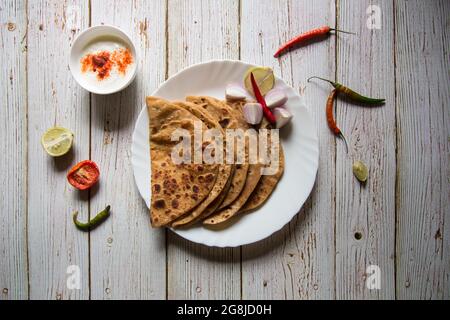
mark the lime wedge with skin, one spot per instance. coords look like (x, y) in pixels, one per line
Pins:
(264, 78)
(57, 141)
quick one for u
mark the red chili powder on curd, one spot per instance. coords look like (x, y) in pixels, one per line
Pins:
(102, 62)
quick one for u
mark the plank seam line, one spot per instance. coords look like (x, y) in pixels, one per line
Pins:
(167, 263)
(291, 70)
(90, 157)
(166, 76)
(396, 149)
(26, 151)
(336, 18)
(239, 28)
(166, 31)
(239, 57)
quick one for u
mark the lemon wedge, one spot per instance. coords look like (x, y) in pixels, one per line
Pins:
(57, 141)
(264, 78)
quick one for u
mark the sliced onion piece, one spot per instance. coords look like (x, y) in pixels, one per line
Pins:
(282, 117)
(253, 112)
(275, 98)
(234, 92)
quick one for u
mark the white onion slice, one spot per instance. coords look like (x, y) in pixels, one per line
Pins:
(282, 117)
(275, 98)
(253, 112)
(234, 92)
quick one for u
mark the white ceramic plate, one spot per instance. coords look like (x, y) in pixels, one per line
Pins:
(299, 141)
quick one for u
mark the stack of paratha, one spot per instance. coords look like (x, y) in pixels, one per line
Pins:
(185, 193)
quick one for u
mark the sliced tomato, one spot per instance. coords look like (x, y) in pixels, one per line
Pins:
(83, 175)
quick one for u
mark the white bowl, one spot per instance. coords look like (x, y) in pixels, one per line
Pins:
(87, 37)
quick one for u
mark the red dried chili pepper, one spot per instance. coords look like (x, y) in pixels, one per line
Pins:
(305, 36)
(259, 97)
(330, 119)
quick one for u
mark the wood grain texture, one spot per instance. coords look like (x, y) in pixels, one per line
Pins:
(54, 98)
(200, 30)
(128, 257)
(365, 214)
(423, 125)
(298, 261)
(402, 213)
(13, 144)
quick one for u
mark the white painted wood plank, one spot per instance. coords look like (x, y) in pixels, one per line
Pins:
(128, 257)
(423, 129)
(200, 30)
(297, 262)
(365, 63)
(54, 98)
(13, 144)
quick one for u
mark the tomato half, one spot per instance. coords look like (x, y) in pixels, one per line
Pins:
(83, 175)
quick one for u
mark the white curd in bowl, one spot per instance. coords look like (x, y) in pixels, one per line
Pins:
(103, 60)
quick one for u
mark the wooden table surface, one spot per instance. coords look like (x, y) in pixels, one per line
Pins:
(399, 222)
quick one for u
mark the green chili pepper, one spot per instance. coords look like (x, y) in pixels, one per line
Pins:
(350, 93)
(93, 223)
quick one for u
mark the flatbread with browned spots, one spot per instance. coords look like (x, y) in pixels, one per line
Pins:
(228, 119)
(224, 172)
(176, 188)
(253, 177)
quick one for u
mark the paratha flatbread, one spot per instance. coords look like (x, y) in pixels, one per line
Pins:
(228, 119)
(216, 203)
(253, 177)
(265, 187)
(267, 183)
(254, 174)
(176, 188)
(224, 172)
